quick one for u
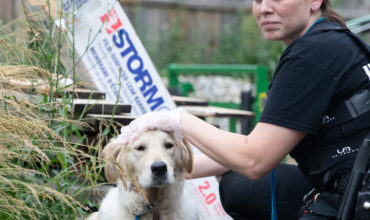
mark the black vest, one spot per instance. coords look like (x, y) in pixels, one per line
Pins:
(332, 152)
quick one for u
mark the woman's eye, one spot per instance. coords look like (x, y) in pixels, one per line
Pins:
(140, 148)
(168, 145)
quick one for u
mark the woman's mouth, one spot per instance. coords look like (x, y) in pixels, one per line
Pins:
(269, 24)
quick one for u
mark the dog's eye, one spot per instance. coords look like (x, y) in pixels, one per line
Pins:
(140, 148)
(168, 145)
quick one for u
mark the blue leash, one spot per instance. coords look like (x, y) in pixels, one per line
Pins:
(149, 207)
(273, 195)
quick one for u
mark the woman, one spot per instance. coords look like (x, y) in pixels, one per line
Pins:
(320, 69)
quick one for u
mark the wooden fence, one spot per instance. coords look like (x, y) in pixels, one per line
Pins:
(203, 19)
(10, 9)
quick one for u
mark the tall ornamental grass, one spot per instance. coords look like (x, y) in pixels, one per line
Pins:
(48, 167)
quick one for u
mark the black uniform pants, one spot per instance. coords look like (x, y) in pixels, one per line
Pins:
(245, 199)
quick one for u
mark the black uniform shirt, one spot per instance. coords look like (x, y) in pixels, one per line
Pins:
(316, 71)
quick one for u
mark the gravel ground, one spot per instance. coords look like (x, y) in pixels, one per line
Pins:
(218, 89)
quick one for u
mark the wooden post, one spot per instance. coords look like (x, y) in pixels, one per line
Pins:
(10, 10)
(44, 3)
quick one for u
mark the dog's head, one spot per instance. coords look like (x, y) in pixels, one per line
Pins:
(154, 159)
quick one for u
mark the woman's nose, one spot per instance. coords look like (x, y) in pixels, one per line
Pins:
(267, 6)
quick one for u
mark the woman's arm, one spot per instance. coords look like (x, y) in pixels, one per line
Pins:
(253, 155)
(205, 166)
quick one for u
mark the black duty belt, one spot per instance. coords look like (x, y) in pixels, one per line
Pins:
(340, 184)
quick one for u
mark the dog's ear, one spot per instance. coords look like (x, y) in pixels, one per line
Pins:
(110, 153)
(186, 155)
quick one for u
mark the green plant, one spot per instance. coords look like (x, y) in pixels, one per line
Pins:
(239, 42)
(47, 165)
(32, 184)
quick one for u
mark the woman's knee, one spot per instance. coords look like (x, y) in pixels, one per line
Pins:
(243, 197)
(224, 189)
(240, 197)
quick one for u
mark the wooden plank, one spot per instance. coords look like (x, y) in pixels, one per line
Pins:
(212, 111)
(181, 101)
(80, 93)
(94, 106)
(94, 119)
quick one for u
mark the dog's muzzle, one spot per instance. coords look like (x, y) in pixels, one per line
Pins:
(159, 173)
(159, 169)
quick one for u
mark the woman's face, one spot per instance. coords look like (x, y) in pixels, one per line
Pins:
(285, 20)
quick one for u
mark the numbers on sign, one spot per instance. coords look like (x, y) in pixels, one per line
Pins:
(201, 188)
(209, 198)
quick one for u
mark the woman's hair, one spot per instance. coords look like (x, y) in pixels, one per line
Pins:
(330, 15)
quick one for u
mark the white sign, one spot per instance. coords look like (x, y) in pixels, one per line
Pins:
(116, 59)
(120, 66)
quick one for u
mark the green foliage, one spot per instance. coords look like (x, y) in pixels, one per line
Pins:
(240, 42)
(47, 167)
(337, 3)
(37, 166)
(176, 45)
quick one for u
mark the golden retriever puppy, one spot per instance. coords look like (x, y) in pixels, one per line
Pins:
(149, 173)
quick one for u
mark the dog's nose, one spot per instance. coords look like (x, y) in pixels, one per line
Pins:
(159, 168)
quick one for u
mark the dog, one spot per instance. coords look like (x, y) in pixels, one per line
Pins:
(150, 175)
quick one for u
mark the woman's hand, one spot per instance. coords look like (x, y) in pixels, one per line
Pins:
(164, 120)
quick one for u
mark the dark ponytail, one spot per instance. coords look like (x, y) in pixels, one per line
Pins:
(330, 15)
